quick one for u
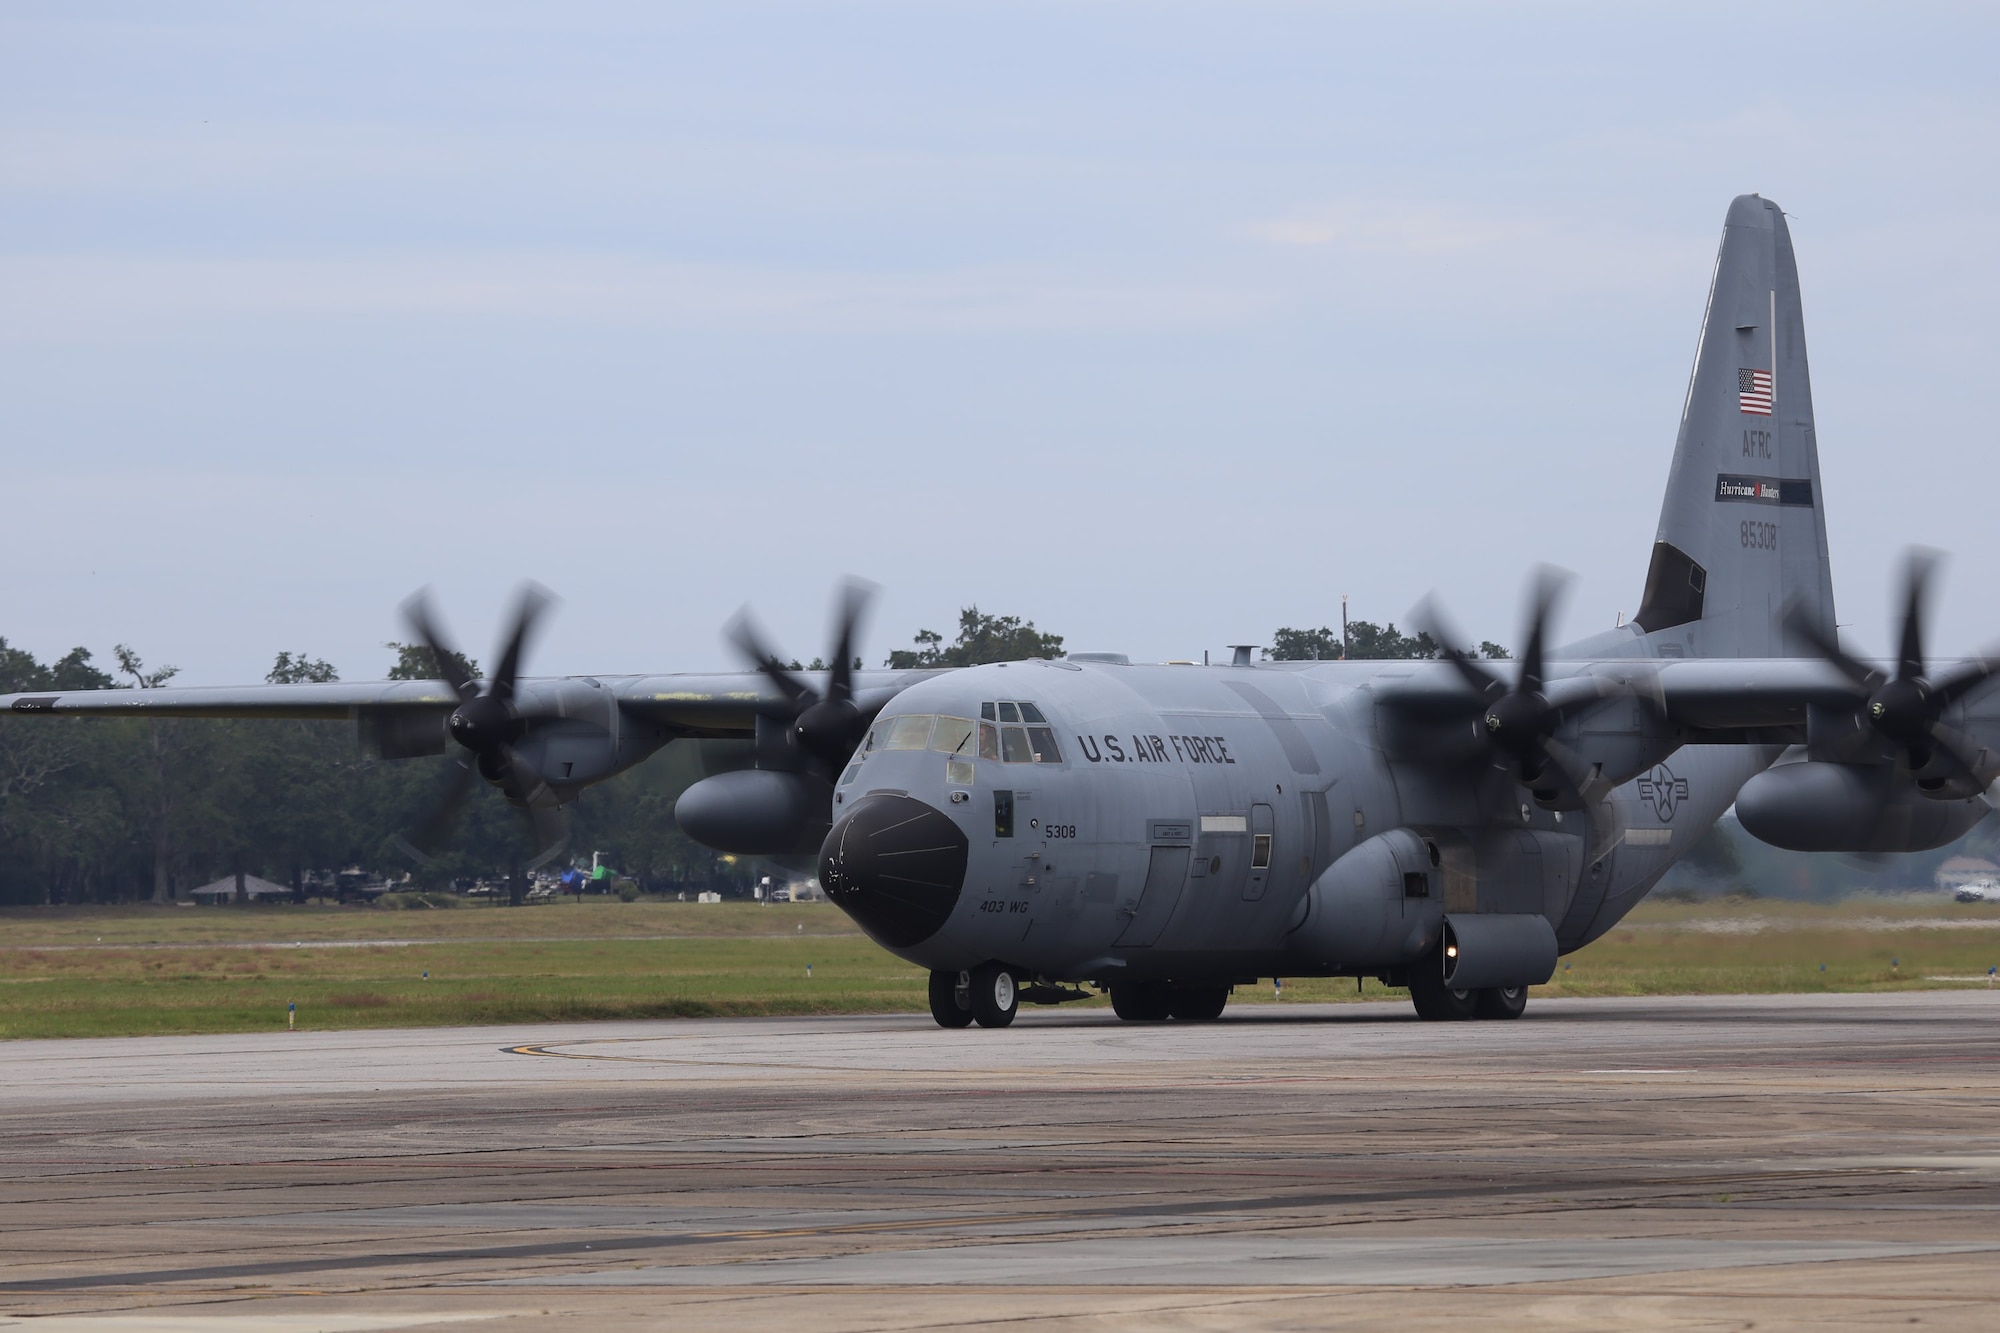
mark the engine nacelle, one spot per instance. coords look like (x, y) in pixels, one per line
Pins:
(756, 812)
(1821, 807)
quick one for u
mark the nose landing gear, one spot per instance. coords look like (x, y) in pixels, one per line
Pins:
(987, 995)
(951, 999)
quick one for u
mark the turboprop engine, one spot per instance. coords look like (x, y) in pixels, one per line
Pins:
(1821, 807)
(783, 806)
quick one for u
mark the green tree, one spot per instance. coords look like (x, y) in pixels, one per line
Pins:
(1304, 645)
(1366, 641)
(298, 669)
(414, 662)
(981, 638)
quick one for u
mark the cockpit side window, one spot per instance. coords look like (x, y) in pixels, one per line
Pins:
(1032, 743)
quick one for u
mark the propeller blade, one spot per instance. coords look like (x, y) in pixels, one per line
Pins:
(1918, 565)
(1548, 590)
(534, 599)
(1958, 753)
(431, 836)
(1429, 617)
(1593, 792)
(1808, 628)
(742, 635)
(417, 615)
(1579, 694)
(1949, 689)
(538, 804)
(854, 598)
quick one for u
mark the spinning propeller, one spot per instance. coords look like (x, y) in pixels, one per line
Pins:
(1907, 709)
(486, 724)
(1520, 720)
(828, 727)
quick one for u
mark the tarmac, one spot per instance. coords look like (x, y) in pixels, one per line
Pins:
(1714, 1162)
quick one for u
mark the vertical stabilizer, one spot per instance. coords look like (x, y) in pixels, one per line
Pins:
(1743, 529)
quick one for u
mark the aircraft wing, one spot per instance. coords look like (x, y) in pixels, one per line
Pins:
(1718, 699)
(721, 704)
(333, 701)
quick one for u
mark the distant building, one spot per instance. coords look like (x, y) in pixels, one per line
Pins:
(1960, 871)
(706, 897)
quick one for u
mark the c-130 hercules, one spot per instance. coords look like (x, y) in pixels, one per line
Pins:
(1166, 832)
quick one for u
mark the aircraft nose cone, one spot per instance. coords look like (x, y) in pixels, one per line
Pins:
(896, 866)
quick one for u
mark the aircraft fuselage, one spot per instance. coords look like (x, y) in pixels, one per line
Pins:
(1179, 822)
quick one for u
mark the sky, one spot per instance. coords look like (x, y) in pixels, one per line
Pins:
(1160, 325)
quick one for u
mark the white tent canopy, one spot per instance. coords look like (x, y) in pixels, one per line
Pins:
(252, 887)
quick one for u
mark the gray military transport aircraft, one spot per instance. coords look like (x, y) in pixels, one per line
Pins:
(1028, 829)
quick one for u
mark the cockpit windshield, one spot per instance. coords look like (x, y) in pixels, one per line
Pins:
(1011, 731)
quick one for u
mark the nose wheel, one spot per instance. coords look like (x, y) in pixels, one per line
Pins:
(951, 999)
(987, 995)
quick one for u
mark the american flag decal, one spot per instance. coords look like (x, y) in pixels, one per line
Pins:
(1755, 392)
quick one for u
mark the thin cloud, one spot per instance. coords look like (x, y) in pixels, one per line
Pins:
(56, 298)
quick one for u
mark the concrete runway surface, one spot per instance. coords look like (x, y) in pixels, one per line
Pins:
(1715, 1162)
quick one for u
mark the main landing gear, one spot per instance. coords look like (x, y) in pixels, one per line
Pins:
(1438, 1002)
(1152, 1001)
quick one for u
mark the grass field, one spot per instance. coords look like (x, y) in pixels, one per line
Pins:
(71, 972)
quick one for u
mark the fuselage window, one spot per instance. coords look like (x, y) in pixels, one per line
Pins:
(1014, 746)
(853, 772)
(1030, 713)
(1009, 712)
(1043, 741)
(1260, 851)
(909, 732)
(953, 735)
(989, 740)
(986, 713)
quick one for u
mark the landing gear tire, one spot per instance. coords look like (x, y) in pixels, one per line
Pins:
(1435, 1001)
(1198, 1004)
(1140, 1001)
(995, 998)
(1501, 1002)
(951, 1002)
